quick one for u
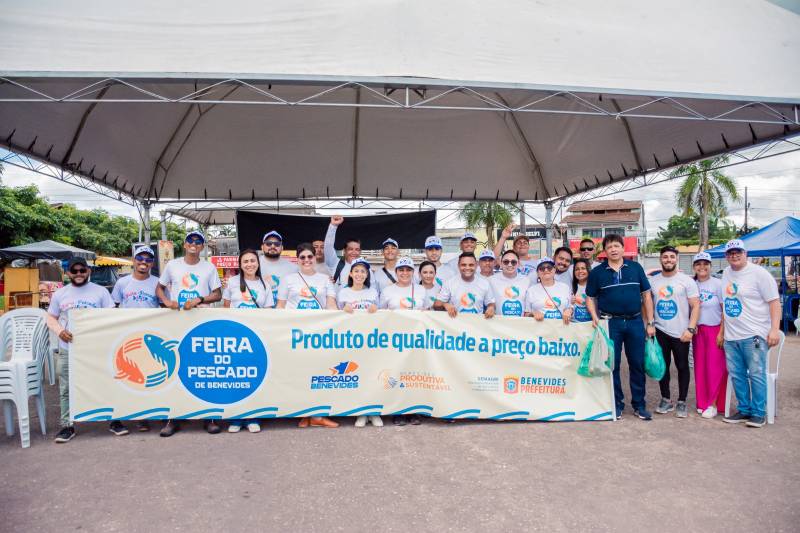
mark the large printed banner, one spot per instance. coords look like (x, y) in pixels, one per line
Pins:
(236, 363)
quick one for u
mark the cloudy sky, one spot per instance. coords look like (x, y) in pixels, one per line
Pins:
(773, 189)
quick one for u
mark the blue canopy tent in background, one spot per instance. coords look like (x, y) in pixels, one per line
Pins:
(779, 239)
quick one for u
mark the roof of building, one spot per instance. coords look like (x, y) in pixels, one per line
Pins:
(604, 205)
(601, 217)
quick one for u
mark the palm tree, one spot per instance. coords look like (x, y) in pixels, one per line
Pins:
(488, 215)
(705, 192)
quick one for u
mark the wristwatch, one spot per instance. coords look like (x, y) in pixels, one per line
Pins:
(692, 330)
(202, 299)
(651, 323)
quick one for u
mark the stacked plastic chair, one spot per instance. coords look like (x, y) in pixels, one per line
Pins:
(25, 352)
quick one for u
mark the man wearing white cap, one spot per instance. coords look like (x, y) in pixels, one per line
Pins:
(351, 252)
(433, 253)
(486, 262)
(386, 276)
(467, 245)
(188, 282)
(751, 321)
(273, 266)
(466, 293)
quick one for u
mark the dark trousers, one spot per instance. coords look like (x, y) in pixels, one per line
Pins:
(630, 333)
(673, 347)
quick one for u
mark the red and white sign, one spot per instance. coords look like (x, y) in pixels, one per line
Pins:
(225, 261)
(631, 247)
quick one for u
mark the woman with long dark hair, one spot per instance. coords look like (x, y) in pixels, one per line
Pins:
(580, 276)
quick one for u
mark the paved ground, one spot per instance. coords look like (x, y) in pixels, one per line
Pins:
(664, 475)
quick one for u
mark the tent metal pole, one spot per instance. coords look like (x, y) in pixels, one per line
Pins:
(163, 225)
(548, 221)
(146, 222)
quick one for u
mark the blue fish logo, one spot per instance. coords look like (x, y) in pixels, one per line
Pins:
(163, 352)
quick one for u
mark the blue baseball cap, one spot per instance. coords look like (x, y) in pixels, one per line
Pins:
(390, 241)
(196, 233)
(433, 242)
(272, 233)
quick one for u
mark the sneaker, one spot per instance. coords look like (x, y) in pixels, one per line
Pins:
(234, 428)
(620, 408)
(170, 428)
(710, 412)
(736, 418)
(65, 435)
(212, 427)
(755, 422)
(681, 411)
(399, 420)
(376, 421)
(415, 420)
(361, 421)
(117, 428)
(699, 411)
(142, 425)
(253, 427)
(665, 406)
(643, 413)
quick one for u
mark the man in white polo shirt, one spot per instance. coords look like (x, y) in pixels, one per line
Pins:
(677, 308)
(751, 317)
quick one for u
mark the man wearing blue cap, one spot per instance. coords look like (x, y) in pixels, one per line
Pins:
(385, 276)
(274, 267)
(751, 310)
(188, 282)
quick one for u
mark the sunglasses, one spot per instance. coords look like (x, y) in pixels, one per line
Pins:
(546, 268)
(144, 258)
(273, 243)
(195, 240)
(78, 271)
(587, 249)
(510, 262)
(305, 257)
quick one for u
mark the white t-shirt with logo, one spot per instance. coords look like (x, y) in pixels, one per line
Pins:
(745, 301)
(131, 293)
(257, 296)
(710, 302)
(186, 281)
(431, 294)
(397, 297)
(380, 280)
(509, 293)
(306, 292)
(87, 296)
(442, 274)
(467, 296)
(565, 277)
(527, 266)
(358, 300)
(580, 313)
(537, 299)
(671, 302)
(274, 271)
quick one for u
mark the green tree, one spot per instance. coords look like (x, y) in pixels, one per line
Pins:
(488, 215)
(683, 231)
(705, 191)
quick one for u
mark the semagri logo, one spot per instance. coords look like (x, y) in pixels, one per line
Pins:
(342, 376)
(144, 361)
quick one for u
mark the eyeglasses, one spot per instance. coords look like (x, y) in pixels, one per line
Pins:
(144, 258)
(510, 262)
(733, 252)
(545, 268)
(273, 243)
(195, 240)
(78, 271)
(305, 257)
(587, 249)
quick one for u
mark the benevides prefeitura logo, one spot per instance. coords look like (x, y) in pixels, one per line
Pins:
(145, 361)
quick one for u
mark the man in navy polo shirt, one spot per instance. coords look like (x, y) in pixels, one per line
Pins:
(619, 289)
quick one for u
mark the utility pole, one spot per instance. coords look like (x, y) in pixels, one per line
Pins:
(746, 209)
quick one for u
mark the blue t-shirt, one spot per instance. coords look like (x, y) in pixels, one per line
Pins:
(618, 292)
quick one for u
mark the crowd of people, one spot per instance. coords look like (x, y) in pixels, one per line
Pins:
(730, 323)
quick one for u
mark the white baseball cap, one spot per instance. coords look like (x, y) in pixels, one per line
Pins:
(361, 261)
(486, 254)
(545, 260)
(196, 233)
(144, 249)
(404, 262)
(272, 233)
(390, 241)
(433, 242)
(701, 256)
(735, 244)
(469, 235)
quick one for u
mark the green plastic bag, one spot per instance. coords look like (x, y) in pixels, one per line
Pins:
(596, 359)
(654, 365)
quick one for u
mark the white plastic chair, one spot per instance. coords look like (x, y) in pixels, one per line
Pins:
(25, 347)
(772, 382)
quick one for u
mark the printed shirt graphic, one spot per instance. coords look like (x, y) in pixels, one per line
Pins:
(467, 296)
(527, 266)
(431, 294)
(244, 300)
(443, 273)
(580, 313)
(397, 297)
(71, 297)
(358, 300)
(273, 272)
(312, 293)
(132, 293)
(671, 302)
(509, 293)
(536, 299)
(189, 281)
(746, 295)
(710, 302)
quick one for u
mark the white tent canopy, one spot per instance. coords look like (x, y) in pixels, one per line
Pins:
(387, 98)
